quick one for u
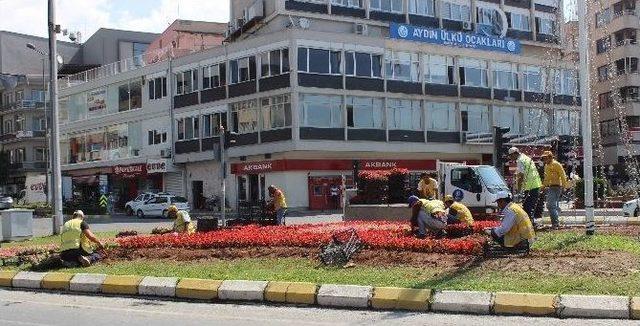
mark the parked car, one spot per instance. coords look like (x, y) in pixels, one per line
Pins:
(6, 202)
(131, 206)
(631, 208)
(158, 205)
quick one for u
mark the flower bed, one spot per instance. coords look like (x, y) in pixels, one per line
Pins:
(379, 235)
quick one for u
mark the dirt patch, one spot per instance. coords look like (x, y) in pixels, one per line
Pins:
(603, 264)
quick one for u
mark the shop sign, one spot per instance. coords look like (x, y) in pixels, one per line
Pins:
(24, 134)
(157, 166)
(452, 38)
(96, 100)
(257, 167)
(376, 165)
(130, 171)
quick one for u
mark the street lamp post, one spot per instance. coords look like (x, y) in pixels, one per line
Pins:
(55, 133)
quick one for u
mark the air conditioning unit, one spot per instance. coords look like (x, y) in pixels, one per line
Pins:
(361, 29)
(467, 26)
(165, 153)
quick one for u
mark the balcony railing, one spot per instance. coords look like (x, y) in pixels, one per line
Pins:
(24, 104)
(28, 166)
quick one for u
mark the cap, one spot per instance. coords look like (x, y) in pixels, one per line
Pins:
(547, 154)
(503, 195)
(513, 150)
(172, 208)
(448, 198)
(412, 200)
(78, 213)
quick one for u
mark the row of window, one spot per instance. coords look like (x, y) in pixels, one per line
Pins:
(623, 66)
(626, 94)
(19, 155)
(613, 127)
(109, 143)
(328, 111)
(453, 10)
(19, 123)
(622, 37)
(619, 9)
(10, 97)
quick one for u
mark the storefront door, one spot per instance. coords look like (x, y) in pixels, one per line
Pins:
(251, 188)
(197, 194)
(320, 197)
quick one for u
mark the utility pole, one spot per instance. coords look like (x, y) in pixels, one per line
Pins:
(223, 177)
(585, 92)
(55, 132)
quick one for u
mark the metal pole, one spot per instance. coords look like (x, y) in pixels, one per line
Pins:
(47, 139)
(585, 91)
(53, 88)
(223, 184)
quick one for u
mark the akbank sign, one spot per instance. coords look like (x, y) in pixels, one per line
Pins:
(452, 38)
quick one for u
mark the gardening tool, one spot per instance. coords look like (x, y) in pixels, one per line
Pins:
(344, 244)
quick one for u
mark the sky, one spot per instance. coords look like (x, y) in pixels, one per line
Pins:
(87, 16)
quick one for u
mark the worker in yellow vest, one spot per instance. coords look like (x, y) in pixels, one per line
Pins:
(458, 212)
(427, 214)
(279, 204)
(182, 220)
(527, 182)
(515, 230)
(76, 242)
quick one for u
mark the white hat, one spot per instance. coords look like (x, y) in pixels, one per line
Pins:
(503, 195)
(78, 213)
(513, 150)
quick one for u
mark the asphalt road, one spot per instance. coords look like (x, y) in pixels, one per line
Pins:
(18, 308)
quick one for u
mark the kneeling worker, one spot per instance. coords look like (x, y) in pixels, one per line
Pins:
(516, 229)
(458, 212)
(76, 239)
(182, 223)
(428, 214)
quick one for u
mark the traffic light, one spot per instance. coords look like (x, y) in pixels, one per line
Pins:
(500, 148)
(356, 171)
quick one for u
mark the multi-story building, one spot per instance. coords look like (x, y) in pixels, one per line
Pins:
(307, 87)
(184, 37)
(23, 123)
(615, 81)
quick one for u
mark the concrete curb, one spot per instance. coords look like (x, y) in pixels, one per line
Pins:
(333, 295)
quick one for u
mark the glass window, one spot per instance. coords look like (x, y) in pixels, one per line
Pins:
(473, 72)
(135, 89)
(21, 123)
(40, 154)
(566, 82)
(244, 117)
(475, 118)
(188, 128)
(321, 111)
(442, 116)
(536, 122)
(439, 70)
(211, 123)
(213, 76)
(561, 122)
(454, 11)
(404, 114)
(533, 79)
(276, 112)
(242, 70)
(363, 64)
(364, 112)
(303, 59)
(347, 3)
(505, 75)
(422, 7)
(123, 96)
(187, 82)
(507, 117)
(386, 5)
(403, 66)
(546, 26)
(274, 63)
(520, 22)
(320, 61)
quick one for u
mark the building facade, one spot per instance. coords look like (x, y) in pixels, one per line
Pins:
(23, 92)
(615, 81)
(307, 87)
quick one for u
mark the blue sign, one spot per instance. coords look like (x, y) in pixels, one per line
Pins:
(453, 38)
(458, 195)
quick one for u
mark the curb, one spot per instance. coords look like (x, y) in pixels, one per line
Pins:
(332, 295)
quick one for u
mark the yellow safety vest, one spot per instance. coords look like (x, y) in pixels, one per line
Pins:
(522, 228)
(181, 226)
(464, 214)
(279, 200)
(73, 238)
(430, 206)
(531, 178)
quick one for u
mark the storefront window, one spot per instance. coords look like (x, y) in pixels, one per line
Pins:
(404, 114)
(77, 148)
(507, 117)
(473, 72)
(475, 118)
(321, 111)
(364, 112)
(442, 116)
(95, 146)
(276, 112)
(536, 122)
(244, 117)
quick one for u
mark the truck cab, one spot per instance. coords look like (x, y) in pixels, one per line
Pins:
(475, 186)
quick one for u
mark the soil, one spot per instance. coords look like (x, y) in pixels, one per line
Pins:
(604, 264)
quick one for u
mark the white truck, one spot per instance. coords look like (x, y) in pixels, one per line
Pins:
(475, 186)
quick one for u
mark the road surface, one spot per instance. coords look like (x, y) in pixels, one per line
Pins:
(18, 308)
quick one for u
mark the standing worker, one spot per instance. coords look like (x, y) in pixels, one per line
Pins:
(555, 181)
(428, 186)
(458, 212)
(76, 239)
(428, 214)
(527, 181)
(279, 203)
(515, 230)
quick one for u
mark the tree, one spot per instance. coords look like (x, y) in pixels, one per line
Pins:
(4, 167)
